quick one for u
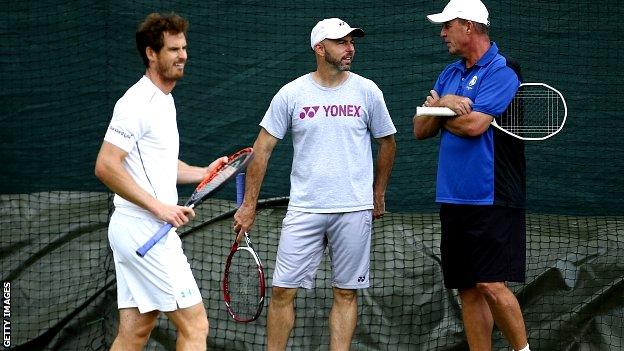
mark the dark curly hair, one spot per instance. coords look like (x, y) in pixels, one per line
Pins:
(150, 32)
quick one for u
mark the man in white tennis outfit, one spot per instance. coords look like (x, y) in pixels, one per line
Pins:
(139, 162)
(332, 115)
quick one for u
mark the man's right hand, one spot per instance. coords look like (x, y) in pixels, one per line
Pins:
(243, 220)
(174, 214)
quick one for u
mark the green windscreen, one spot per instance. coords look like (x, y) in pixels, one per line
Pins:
(65, 64)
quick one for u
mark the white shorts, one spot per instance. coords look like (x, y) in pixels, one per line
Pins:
(304, 238)
(162, 280)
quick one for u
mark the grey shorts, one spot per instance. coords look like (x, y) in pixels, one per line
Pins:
(304, 238)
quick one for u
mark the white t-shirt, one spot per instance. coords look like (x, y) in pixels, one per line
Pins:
(144, 125)
(331, 128)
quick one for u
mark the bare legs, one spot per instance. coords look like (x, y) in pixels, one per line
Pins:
(486, 304)
(135, 328)
(191, 326)
(342, 319)
(281, 318)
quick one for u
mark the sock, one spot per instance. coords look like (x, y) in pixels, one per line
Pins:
(526, 348)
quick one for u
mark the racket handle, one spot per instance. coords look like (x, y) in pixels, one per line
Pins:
(240, 189)
(141, 251)
(434, 111)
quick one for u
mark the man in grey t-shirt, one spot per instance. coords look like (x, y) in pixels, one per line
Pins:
(335, 193)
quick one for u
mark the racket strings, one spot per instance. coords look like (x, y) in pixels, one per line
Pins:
(235, 162)
(535, 111)
(222, 174)
(218, 179)
(243, 285)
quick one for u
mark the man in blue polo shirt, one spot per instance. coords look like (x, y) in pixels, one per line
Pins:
(481, 177)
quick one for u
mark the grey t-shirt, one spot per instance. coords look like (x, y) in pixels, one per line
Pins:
(331, 128)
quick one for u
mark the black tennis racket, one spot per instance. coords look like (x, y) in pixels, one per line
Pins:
(537, 112)
(243, 277)
(213, 181)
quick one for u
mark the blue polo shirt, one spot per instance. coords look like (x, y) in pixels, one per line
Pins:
(466, 169)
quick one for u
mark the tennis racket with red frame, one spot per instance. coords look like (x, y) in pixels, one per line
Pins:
(243, 277)
(237, 163)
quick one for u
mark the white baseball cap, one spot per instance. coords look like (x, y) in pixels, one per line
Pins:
(332, 28)
(472, 10)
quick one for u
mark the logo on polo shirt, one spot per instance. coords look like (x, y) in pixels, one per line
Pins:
(472, 82)
(332, 111)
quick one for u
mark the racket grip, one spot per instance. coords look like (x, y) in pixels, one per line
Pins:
(141, 251)
(240, 189)
(434, 111)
